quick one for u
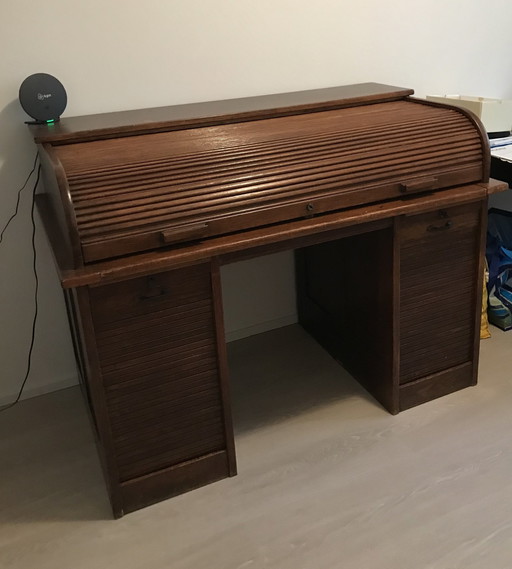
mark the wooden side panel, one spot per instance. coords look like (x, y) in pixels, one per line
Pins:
(223, 367)
(83, 330)
(439, 289)
(345, 300)
(158, 359)
(57, 212)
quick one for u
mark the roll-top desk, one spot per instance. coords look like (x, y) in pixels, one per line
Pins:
(382, 197)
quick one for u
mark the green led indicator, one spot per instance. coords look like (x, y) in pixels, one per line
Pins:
(50, 122)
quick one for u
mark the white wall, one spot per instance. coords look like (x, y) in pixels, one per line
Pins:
(258, 295)
(131, 54)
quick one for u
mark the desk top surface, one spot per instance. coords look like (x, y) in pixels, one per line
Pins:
(126, 123)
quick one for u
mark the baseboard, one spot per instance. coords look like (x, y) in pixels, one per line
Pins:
(240, 333)
(29, 392)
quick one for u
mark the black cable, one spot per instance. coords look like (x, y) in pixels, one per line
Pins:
(19, 198)
(36, 288)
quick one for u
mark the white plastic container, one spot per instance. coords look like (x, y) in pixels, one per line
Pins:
(495, 114)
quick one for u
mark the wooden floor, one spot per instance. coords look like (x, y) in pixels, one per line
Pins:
(327, 479)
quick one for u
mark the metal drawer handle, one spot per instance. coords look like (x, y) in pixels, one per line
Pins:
(443, 227)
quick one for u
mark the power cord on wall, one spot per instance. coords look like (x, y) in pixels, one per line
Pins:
(34, 268)
(19, 197)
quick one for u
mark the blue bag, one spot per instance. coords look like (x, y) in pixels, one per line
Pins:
(499, 260)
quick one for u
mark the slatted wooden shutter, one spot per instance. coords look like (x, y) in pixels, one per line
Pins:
(438, 289)
(158, 358)
(145, 192)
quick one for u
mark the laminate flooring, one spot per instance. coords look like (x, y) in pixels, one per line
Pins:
(327, 479)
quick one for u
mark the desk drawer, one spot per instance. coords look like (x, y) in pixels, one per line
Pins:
(439, 283)
(440, 222)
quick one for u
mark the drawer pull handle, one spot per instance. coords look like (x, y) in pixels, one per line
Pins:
(153, 290)
(442, 227)
(418, 185)
(187, 233)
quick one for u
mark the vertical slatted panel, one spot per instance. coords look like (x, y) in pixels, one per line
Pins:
(438, 284)
(156, 345)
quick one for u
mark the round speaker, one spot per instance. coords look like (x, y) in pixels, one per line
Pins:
(43, 97)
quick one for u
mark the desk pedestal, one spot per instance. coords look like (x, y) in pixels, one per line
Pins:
(397, 307)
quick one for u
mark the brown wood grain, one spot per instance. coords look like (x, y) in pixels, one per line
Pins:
(223, 367)
(163, 396)
(148, 191)
(162, 484)
(96, 391)
(480, 288)
(266, 239)
(213, 112)
(435, 385)
(438, 283)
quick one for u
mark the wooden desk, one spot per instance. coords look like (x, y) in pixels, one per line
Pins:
(382, 197)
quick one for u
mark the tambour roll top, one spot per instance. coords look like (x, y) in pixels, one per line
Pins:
(131, 188)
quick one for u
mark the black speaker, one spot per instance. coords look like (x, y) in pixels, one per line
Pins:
(43, 97)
